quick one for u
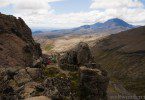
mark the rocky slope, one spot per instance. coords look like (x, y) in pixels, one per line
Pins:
(18, 51)
(17, 47)
(123, 55)
(20, 79)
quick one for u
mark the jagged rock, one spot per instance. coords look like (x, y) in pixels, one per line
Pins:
(39, 98)
(8, 90)
(38, 63)
(40, 88)
(17, 47)
(57, 87)
(80, 55)
(29, 90)
(83, 53)
(93, 84)
(8, 93)
(28, 74)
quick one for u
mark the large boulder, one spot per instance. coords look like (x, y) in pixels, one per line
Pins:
(83, 53)
(76, 57)
(57, 88)
(17, 46)
(93, 83)
(27, 75)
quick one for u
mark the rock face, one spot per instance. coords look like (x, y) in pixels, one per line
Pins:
(80, 55)
(57, 88)
(39, 98)
(17, 47)
(18, 51)
(19, 83)
(93, 83)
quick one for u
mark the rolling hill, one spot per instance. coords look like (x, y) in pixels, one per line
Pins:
(123, 55)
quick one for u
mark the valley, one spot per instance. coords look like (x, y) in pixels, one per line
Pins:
(65, 43)
(93, 66)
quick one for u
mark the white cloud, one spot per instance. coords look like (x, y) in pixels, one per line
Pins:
(4, 3)
(63, 20)
(132, 11)
(39, 13)
(108, 4)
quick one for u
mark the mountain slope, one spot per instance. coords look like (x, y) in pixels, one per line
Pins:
(123, 55)
(109, 27)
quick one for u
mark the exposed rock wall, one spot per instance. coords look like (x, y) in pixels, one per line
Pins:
(17, 47)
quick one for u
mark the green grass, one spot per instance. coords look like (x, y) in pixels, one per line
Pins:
(74, 77)
(51, 71)
(117, 64)
(137, 86)
(48, 47)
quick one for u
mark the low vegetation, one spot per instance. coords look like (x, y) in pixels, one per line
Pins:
(48, 47)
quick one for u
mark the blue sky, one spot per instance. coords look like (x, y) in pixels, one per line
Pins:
(68, 6)
(74, 13)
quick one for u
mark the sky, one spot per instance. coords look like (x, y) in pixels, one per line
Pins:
(73, 13)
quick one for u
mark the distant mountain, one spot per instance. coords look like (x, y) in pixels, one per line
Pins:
(111, 26)
(37, 32)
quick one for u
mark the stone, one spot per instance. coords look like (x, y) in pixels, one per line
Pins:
(93, 84)
(76, 57)
(39, 98)
(28, 74)
(19, 47)
(58, 87)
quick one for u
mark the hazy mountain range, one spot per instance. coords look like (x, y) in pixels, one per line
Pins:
(111, 26)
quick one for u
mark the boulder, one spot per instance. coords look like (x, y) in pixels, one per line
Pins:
(28, 90)
(39, 98)
(83, 53)
(76, 57)
(27, 75)
(58, 87)
(93, 84)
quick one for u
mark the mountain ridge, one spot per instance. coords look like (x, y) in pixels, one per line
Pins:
(110, 26)
(116, 21)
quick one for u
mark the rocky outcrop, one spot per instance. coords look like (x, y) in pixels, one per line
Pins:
(93, 83)
(17, 47)
(57, 88)
(18, 51)
(21, 82)
(78, 56)
(39, 98)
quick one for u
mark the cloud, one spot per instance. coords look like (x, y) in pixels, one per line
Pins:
(39, 13)
(132, 11)
(63, 20)
(109, 4)
(4, 3)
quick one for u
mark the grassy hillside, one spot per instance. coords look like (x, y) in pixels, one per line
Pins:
(123, 55)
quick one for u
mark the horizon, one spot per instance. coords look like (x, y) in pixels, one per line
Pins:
(65, 14)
